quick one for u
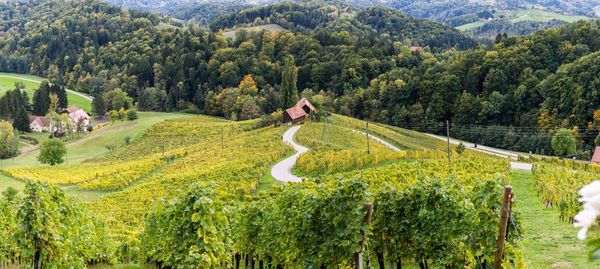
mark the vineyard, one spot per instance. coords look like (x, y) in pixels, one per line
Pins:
(558, 181)
(183, 195)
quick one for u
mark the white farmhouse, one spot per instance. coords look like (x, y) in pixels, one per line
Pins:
(38, 124)
(76, 114)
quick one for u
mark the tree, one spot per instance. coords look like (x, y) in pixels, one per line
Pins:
(52, 152)
(113, 115)
(117, 99)
(563, 143)
(99, 105)
(61, 94)
(41, 100)
(21, 121)
(80, 126)
(132, 115)
(122, 114)
(8, 140)
(53, 107)
(289, 78)
(460, 148)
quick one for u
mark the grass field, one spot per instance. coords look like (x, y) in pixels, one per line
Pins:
(519, 15)
(537, 15)
(470, 26)
(8, 80)
(548, 242)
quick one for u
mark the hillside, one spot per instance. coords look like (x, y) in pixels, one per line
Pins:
(316, 16)
(373, 63)
(141, 191)
(230, 158)
(485, 18)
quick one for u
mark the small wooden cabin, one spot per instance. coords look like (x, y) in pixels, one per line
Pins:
(298, 112)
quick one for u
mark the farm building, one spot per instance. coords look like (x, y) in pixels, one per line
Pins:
(38, 124)
(596, 157)
(298, 112)
(76, 114)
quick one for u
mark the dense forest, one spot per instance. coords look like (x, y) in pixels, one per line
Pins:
(378, 64)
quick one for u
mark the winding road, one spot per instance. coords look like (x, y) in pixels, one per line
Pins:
(390, 146)
(282, 171)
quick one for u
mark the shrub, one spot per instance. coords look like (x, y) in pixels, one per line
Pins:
(132, 115)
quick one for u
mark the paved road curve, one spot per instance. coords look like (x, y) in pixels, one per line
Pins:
(491, 151)
(37, 81)
(390, 146)
(282, 171)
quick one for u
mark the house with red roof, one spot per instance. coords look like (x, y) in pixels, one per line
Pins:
(38, 124)
(596, 157)
(77, 114)
(298, 112)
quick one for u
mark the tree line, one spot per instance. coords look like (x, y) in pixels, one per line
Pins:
(379, 64)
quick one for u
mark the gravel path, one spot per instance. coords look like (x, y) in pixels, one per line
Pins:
(390, 146)
(282, 171)
(491, 151)
(480, 148)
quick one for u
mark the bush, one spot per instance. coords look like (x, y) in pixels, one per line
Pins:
(111, 147)
(132, 115)
(274, 118)
(32, 140)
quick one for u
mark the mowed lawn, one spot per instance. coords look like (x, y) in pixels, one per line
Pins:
(548, 242)
(8, 80)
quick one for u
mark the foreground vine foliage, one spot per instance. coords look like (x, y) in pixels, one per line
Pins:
(46, 229)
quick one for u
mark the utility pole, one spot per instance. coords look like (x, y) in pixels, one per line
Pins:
(502, 226)
(324, 128)
(368, 145)
(448, 138)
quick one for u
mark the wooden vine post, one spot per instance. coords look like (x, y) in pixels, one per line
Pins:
(358, 259)
(503, 225)
(367, 131)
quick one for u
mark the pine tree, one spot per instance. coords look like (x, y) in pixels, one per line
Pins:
(99, 105)
(21, 121)
(61, 93)
(41, 100)
(289, 78)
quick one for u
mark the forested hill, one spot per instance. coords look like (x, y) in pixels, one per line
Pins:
(319, 15)
(514, 94)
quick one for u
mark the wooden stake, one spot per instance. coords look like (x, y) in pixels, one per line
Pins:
(368, 145)
(367, 219)
(502, 226)
(222, 134)
(323, 134)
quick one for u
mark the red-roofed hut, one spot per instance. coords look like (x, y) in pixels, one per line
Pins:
(298, 112)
